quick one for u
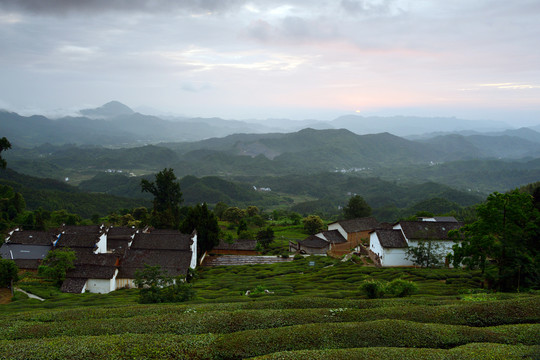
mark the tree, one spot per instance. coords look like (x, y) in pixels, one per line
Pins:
(506, 236)
(4, 145)
(357, 207)
(8, 273)
(252, 210)
(205, 222)
(265, 237)
(234, 214)
(158, 287)
(220, 208)
(56, 264)
(426, 254)
(167, 199)
(313, 224)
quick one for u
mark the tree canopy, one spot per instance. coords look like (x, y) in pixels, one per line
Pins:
(8, 272)
(205, 222)
(56, 264)
(506, 237)
(4, 145)
(357, 207)
(167, 199)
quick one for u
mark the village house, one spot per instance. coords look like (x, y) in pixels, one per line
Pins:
(106, 259)
(238, 247)
(173, 251)
(318, 244)
(389, 246)
(27, 248)
(355, 231)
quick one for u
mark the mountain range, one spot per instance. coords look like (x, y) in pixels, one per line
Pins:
(115, 124)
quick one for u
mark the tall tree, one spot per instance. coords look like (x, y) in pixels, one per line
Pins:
(167, 199)
(4, 145)
(205, 222)
(56, 264)
(506, 235)
(8, 273)
(313, 224)
(356, 207)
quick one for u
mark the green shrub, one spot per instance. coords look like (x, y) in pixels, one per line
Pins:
(374, 289)
(401, 288)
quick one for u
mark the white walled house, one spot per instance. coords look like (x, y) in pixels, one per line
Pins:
(390, 245)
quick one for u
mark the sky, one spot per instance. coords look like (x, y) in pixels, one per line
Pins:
(239, 59)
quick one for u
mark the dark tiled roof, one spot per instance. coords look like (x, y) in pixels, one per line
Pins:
(237, 245)
(73, 285)
(428, 230)
(28, 264)
(120, 233)
(19, 251)
(173, 262)
(334, 236)
(81, 240)
(118, 246)
(32, 237)
(87, 258)
(82, 229)
(391, 238)
(358, 224)
(314, 242)
(88, 271)
(161, 241)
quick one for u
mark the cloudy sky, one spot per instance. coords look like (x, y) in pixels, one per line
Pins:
(474, 59)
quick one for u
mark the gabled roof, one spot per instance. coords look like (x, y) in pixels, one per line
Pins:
(120, 233)
(314, 242)
(20, 251)
(161, 241)
(73, 285)
(80, 240)
(28, 237)
(333, 236)
(117, 246)
(82, 229)
(174, 263)
(391, 238)
(358, 224)
(428, 230)
(88, 271)
(84, 258)
(29, 264)
(237, 245)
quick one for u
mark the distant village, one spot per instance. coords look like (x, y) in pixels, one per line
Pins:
(107, 258)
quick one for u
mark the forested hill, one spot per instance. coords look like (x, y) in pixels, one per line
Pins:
(54, 195)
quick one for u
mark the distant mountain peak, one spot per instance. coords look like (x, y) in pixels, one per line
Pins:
(109, 110)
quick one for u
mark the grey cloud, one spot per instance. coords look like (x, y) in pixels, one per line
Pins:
(367, 7)
(63, 7)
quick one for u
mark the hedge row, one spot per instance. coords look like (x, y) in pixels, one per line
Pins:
(480, 351)
(243, 344)
(194, 322)
(298, 302)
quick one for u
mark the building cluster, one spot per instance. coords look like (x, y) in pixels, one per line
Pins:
(106, 258)
(386, 244)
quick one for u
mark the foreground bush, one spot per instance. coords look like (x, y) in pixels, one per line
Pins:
(478, 351)
(244, 344)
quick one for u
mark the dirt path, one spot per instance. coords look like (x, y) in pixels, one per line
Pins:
(31, 296)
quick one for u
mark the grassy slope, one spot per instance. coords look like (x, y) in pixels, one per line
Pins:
(315, 312)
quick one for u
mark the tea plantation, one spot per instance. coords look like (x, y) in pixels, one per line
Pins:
(312, 308)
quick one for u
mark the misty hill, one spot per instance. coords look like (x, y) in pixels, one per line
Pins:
(410, 125)
(109, 110)
(121, 130)
(488, 146)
